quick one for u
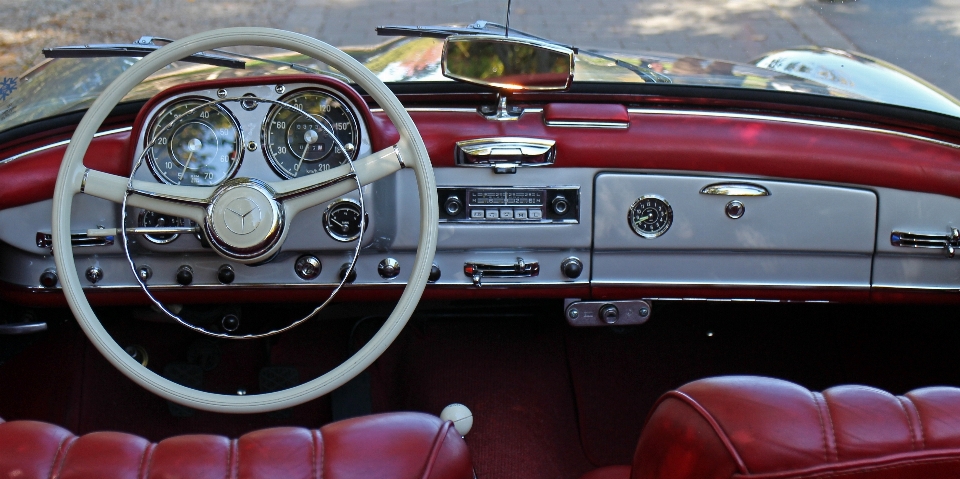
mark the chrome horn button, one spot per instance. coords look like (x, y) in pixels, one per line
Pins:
(244, 221)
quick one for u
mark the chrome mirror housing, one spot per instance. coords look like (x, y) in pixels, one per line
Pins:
(507, 63)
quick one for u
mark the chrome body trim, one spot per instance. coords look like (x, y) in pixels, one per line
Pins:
(22, 328)
(61, 143)
(783, 119)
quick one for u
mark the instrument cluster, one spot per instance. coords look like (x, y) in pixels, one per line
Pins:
(204, 138)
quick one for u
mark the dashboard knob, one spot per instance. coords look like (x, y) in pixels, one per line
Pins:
(308, 267)
(230, 322)
(571, 267)
(560, 205)
(94, 274)
(434, 273)
(453, 206)
(343, 272)
(225, 274)
(184, 275)
(389, 268)
(48, 278)
(609, 313)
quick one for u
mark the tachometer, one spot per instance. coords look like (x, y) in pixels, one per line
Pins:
(194, 142)
(296, 145)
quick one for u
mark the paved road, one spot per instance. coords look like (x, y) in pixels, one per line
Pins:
(922, 36)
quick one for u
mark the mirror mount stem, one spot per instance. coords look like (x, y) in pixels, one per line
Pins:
(506, 30)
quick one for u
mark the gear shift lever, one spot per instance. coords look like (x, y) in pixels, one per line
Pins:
(460, 415)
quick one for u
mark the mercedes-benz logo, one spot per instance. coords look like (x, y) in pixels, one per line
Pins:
(242, 216)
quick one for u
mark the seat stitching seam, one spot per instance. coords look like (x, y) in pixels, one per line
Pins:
(323, 452)
(230, 459)
(913, 441)
(435, 450)
(153, 448)
(63, 458)
(143, 457)
(833, 429)
(823, 430)
(923, 441)
(712, 421)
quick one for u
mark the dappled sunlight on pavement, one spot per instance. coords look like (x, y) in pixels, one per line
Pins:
(942, 14)
(698, 17)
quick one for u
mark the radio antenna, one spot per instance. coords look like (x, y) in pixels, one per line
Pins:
(506, 31)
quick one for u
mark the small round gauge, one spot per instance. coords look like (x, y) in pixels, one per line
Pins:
(195, 142)
(342, 220)
(151, 219)
(650, 216)
(297, 145)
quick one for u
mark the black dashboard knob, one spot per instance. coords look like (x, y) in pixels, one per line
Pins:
(225, 274)
(571, 267)
(434, 273)
(48, 278)
(453, 206)
(185, 275)
(609, 313)
(343, 272)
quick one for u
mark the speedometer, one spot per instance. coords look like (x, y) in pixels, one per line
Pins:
(297, 145)
(193, 142)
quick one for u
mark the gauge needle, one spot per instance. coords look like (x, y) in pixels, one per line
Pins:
(641, 220)
(193, 145)
(338, 224)
(310, 137)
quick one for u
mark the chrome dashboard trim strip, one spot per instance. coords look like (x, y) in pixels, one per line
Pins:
(671, 284)
(783, 119)
(588, 124)
(61, 143)
(307, 286)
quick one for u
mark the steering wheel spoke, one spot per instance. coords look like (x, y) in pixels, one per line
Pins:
(182, 201)
(299, 194)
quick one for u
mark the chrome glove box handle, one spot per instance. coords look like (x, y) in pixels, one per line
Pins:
(518, 269)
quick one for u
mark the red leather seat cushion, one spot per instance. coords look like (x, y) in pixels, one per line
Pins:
(397, 445)
(766, 428)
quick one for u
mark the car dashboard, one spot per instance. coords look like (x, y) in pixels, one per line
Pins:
(585, 197)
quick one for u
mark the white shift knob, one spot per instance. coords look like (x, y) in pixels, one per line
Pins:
(460, 415)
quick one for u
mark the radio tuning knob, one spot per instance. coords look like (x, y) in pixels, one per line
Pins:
(453, 206)
(560, 205)
(571, 267)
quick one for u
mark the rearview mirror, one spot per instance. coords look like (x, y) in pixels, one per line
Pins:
(508, 63)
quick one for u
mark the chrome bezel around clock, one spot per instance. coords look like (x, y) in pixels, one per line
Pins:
(660, 230)
(337, 204)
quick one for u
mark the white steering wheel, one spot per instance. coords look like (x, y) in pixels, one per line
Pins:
(283, 198)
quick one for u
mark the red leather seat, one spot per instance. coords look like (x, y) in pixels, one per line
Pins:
(397, 445)
(762, 428)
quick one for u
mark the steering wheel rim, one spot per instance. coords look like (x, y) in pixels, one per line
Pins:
(72, 177)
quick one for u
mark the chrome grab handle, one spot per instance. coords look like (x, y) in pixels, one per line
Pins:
(519, 269)
(947, 242)
(145, 230)
(735, 189)
(505, 154)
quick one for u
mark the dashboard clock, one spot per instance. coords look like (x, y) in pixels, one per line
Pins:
(650, 216)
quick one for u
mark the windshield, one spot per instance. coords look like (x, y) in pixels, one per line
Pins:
(898, 52)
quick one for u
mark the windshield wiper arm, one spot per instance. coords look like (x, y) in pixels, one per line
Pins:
(136, 50)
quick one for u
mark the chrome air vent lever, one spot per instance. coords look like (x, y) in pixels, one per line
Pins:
(948, 242)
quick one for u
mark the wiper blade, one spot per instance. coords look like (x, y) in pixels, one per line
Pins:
(136, 50)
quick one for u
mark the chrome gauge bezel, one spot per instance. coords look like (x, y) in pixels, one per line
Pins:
(348, 107)
(326, 219)
(161, 110)
(153, 239)
(668, 217)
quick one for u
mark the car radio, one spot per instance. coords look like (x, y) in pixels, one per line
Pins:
(528, 205)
